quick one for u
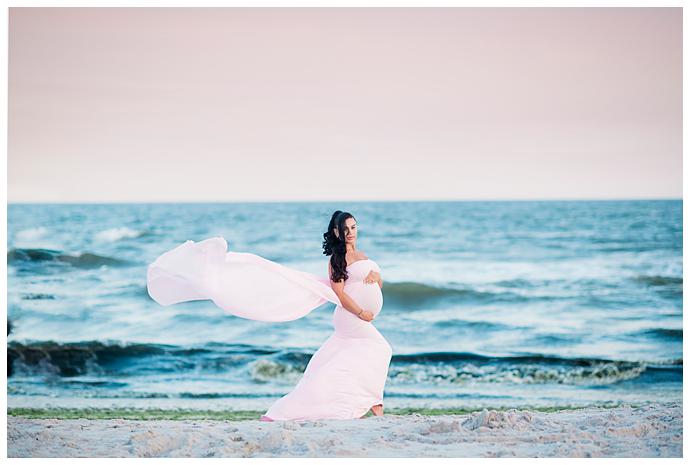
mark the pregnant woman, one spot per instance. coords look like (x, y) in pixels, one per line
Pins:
(345, 377)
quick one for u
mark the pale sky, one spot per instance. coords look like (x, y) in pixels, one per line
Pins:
(280, 104)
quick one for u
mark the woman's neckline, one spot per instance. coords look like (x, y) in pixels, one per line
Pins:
(356, 261)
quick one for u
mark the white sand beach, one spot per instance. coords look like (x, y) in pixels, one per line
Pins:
(652, 430)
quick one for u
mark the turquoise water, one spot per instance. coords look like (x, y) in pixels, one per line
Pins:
(485, 303)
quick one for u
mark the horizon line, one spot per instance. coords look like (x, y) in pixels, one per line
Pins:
(166, 202)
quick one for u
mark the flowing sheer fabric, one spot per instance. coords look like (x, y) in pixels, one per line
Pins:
(345, 377)
(243, 284)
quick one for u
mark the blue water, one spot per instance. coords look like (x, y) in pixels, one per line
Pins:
(485, 303)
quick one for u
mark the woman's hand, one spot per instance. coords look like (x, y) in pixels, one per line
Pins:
(373, 277)
(366, 315)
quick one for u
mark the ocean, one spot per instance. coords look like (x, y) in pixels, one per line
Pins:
(486, 303)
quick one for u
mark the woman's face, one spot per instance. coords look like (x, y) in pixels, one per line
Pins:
(350, 231)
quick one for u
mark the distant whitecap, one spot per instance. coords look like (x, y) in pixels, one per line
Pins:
(116, 234)
(31, 234)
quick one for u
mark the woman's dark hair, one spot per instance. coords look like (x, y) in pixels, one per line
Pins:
(335, 246)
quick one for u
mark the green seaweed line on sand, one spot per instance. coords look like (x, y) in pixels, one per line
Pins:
(232, 415)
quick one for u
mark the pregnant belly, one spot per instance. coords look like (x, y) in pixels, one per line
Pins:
(368, 296)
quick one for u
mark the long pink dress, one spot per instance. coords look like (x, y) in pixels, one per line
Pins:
(345, 377)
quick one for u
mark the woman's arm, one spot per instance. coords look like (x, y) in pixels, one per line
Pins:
(347, 302)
